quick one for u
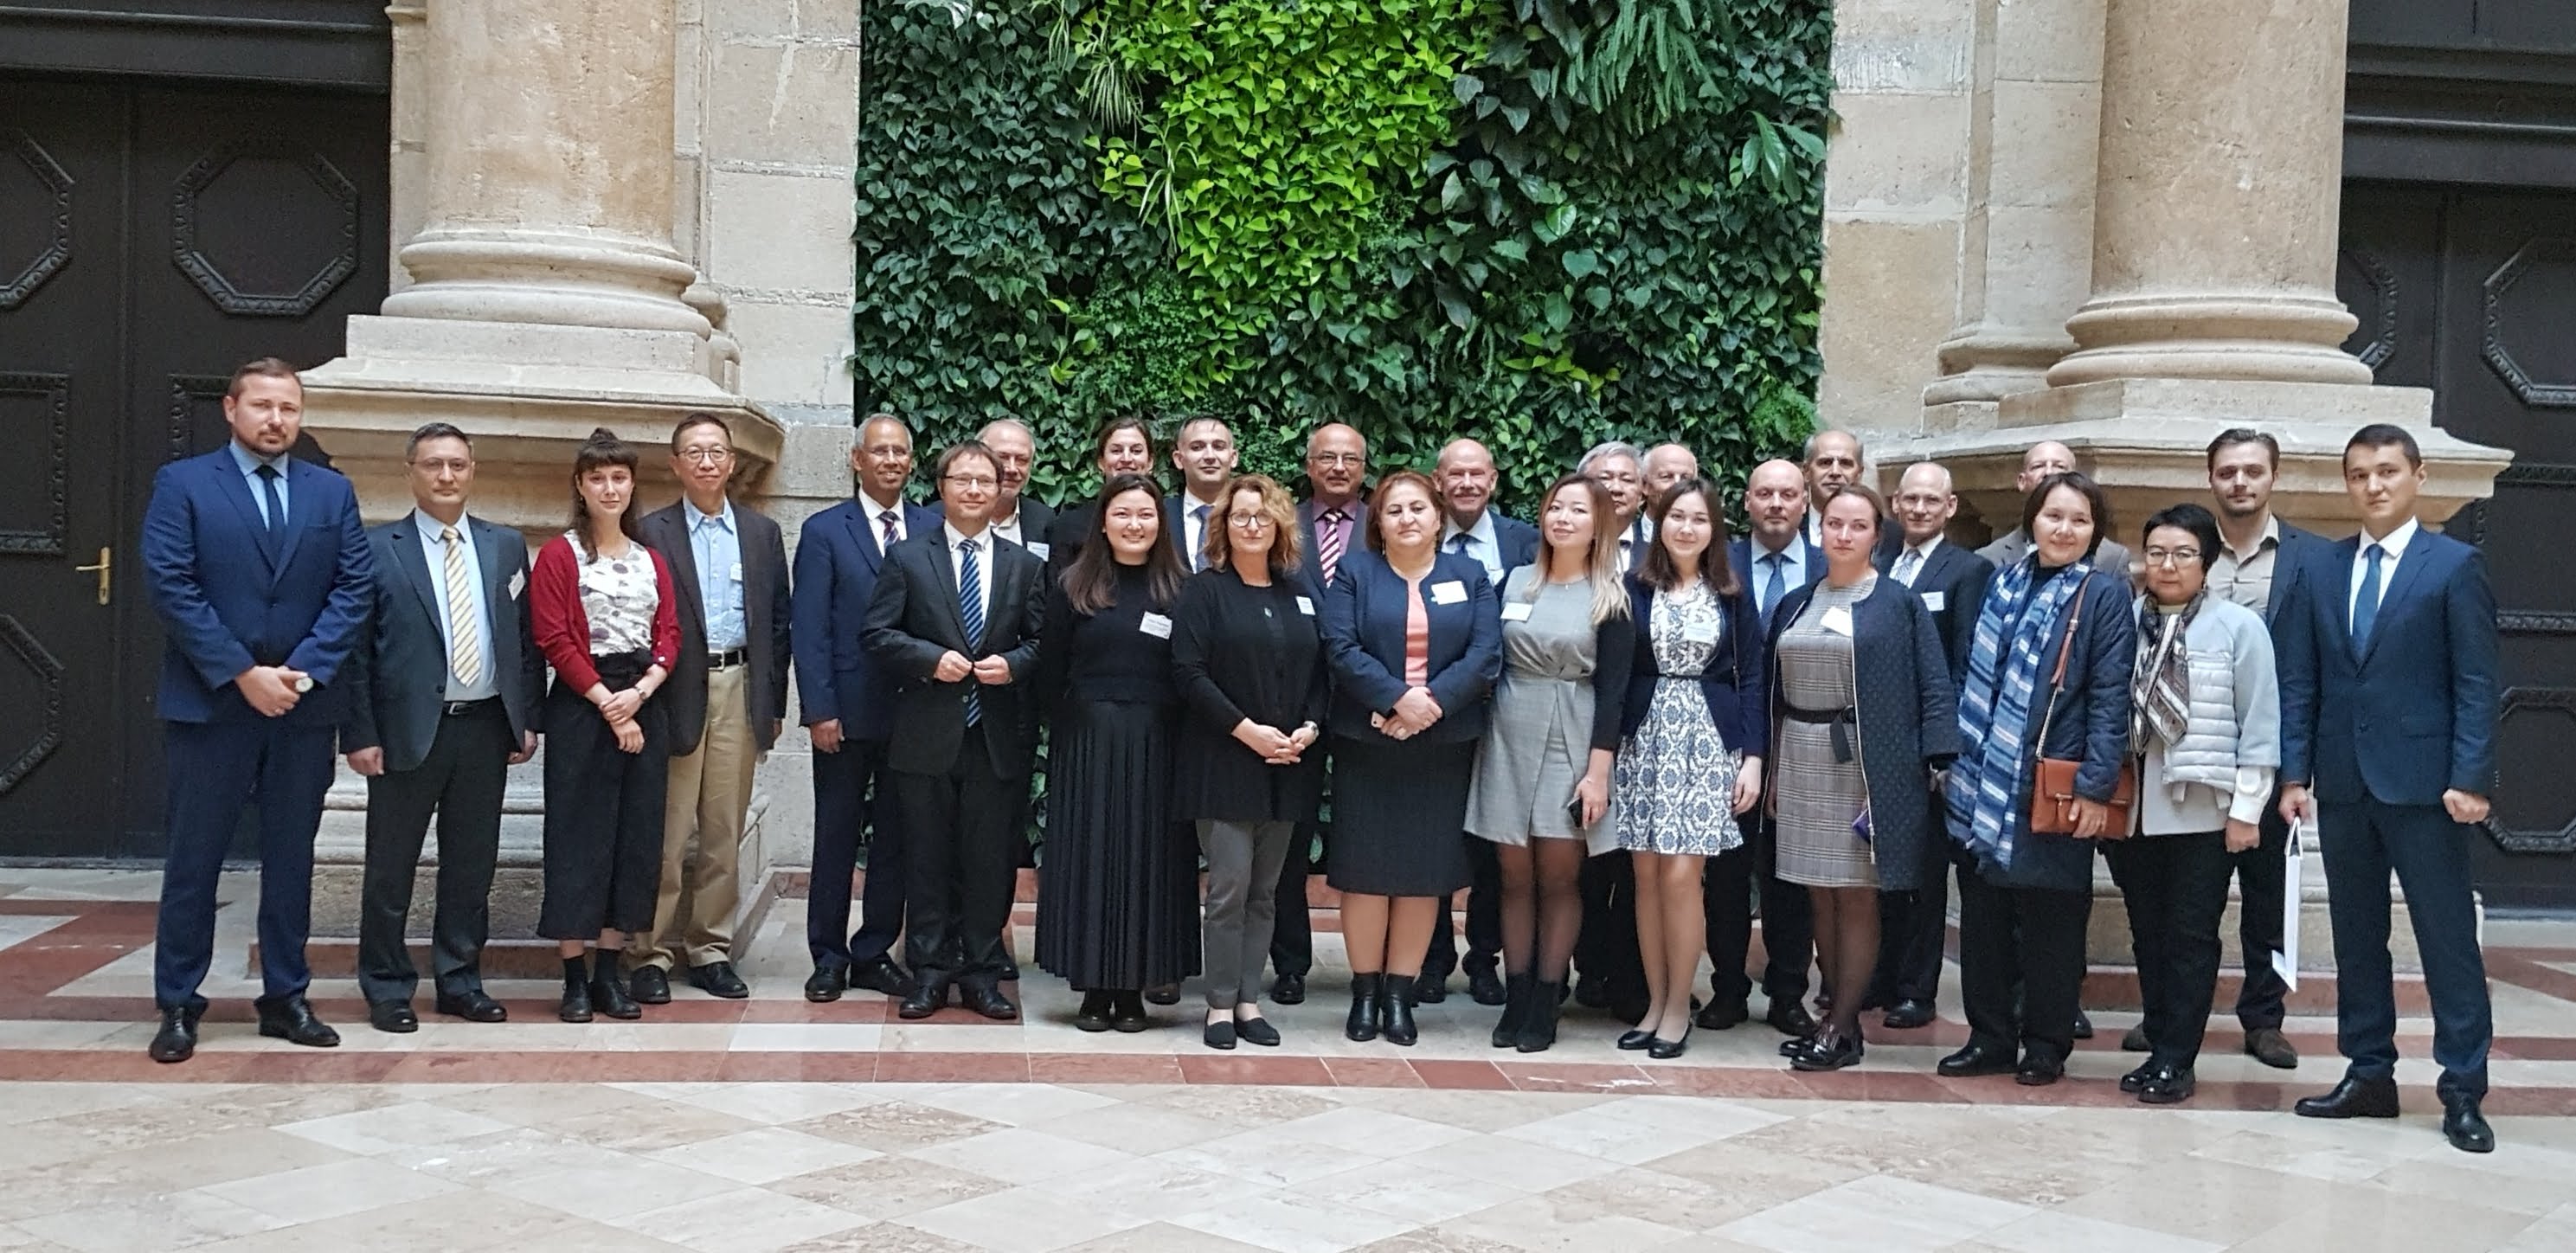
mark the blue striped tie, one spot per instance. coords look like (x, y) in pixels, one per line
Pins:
(970, 607)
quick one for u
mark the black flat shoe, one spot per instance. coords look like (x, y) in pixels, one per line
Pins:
(1591, 993)
(1906, 1015)
(719, 979)
(1430, 989)
(1790, 1018)
(2136, 1080)
(1538, 1025)
(925, 999)
(1975, 1060)
(392, 1018)
(1722, 1016)
(649, 985)
(575, 1006)
(2038, 1072)
(1257, 1031)
(1395, 1012)
(291, 1019)
(2170, 1085)
(990, 1002)
(1219, 1035)
(2464, 1126)
(1127, 1013)
(176, 1041)
(2135, 1040)
(472, 1006)
(609, 997)
(2268, 1046)
(1635, 1040)
(1517, 994)
(2352, 1098)
(1168, 994)
(1485, 987)
(1793, 1047)
(2083, 1025)
(1288, 990)
(1824, 1053)
(881, 975)
(1094, 1014)
(825, 984)
(1666, 1050)
(1361, 1027)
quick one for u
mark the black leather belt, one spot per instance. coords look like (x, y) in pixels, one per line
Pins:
(1841, 720)
(460, 708)
(727, 659)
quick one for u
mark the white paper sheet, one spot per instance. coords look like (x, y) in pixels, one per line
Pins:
(2285, 961)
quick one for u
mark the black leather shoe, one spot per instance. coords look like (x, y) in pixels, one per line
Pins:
(2083, 1026)
(1093, 1016)
(1485, 987)
(291, 1019)
(176, 1041)
(2268, 1046)
(392, 1018)
(719, 979)
(576, 1001)
(1362, 1025)
(2136, 1080)
(880, 975)
(1790, 1018)
(1538, 1026)
(608, 996)
(649, 985)
(2169, 1085)
(1288, 990)
(1430, 989)
(1635, 1040)
(1591, 992)
(1168, 994)
(1127, 1014)
(1219, 1034)
(2352, 1098)
(472, 1006)
(2039, 1072)
(988, 1001)
(826, 983)
(1722, 1016)
(1907, 1014)
(1517, 994)
(1395, 1010)
(2134, 1040)
(1974, 1060)
(1257, 1031)
(927, 997)
(2464, 1126)
(1666, 1050)
(1828, 1053)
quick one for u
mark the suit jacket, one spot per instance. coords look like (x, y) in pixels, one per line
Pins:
(1364, 628)
(398, 673)
(2290, 569)
(1735, 685)
(765, 621)
(1957, 578)
(838, 555)
(1311, 565)
(913, 618)
(1037, 525)
(2413, 712)
(2113, 558)
(1177, 526)
(226, 603)
(1740, 551)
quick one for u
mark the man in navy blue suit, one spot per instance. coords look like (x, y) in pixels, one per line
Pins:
(2388, 716)
(260, 572)
(845, 696)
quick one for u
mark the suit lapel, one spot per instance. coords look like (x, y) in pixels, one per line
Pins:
(943, 572)
(863, 531)
(2339, 606)
(496, 592)
(2401, 584)
(415, 569)
(229, 482)
(300, 505)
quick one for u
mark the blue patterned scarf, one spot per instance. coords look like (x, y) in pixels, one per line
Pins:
(1989, 780)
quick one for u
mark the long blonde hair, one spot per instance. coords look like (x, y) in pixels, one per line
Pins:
(1601, 565)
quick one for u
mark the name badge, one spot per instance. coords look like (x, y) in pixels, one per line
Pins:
(1517, 611)
(1936, 601)
(737, 572)
(1838, 620)
(1156, 625)
(518, 582)
(1305, 606)
(1452, 592)
(1699, 632)
(1037, 549)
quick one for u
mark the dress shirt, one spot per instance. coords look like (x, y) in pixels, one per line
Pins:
(435, 549)
(1482, 544)
(956, 540)
(1194, 528)
(2392, 549)
(1632, 543)
(717, 546)
(250, 462)
(1009, 529)
(1793, 571)
(2246, 577)
(1922, 557)
(876, 512)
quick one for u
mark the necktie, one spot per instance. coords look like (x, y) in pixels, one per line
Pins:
(1458, 543)
(1908, 564)
(1775, 584)
(1328, 542)
(272, 498)
(2365, 607)
(886, 520)
(970, 607)
(1198, 551)
(464, 656)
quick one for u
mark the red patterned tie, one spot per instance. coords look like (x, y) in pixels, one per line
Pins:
(1328, 542)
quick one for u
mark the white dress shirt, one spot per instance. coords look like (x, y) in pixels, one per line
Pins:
(2392, 549)
(1194, 529)
(435, 550)
(1922, 557)
(1482, 544)
(876, 511)
(983, 567)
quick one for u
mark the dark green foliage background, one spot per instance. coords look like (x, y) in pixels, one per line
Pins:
(1606, 226)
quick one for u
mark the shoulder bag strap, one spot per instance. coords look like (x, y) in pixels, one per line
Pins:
(2057, 679)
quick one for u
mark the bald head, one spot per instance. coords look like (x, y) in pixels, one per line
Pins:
(2045, 458)
(1924, 501)
(1775, 497)
(1465, 476)
(1667, 464)
(1014, 449)
(1336, 464)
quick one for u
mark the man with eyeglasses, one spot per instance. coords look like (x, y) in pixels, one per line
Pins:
(954, 620)
(727, 698)
(844, 698)
(1017, 518)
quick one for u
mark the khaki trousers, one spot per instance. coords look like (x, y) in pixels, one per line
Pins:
(709, 796)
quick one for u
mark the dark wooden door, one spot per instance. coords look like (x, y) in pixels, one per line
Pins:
(2471, 293)
(152, 237)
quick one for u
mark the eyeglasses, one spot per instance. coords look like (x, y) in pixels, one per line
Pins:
(1338, 458)
(707, 456)
(1249, 521)
(890, 452)
(2171, 556)
(443, 465)
(972, 481)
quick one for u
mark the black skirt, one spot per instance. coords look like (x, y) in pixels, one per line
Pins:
(1399, 817)
(1118, 895)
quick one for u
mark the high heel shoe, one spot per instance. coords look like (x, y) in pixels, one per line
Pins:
(1663, 1050)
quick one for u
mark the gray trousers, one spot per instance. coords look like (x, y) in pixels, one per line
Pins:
(1243, 860)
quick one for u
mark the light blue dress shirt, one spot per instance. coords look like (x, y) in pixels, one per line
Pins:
(718, 549)
(1793, 570)
(435, 550)
(1482, 544)
(250, 462)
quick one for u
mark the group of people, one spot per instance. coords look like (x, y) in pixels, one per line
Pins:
(1617, 729)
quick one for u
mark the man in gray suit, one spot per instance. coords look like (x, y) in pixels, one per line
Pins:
(444, 683)
(2045, 458)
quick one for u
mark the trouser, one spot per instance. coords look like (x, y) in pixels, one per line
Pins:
(1292, 934)
(216, 768)
(2176, 890)
(1913, 928)
(959, 861)
(2033, 937)
(2363, 841)
(1788, 921)
(1484, 918)
(603, 812)
(1606, 946)
(709, 797)
(460, 780)
(854, 800)
(1243, 860)
(2259, 887)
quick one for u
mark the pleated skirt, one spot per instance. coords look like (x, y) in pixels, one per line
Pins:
(1118, 887)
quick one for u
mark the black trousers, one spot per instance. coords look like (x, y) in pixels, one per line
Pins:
(1484, 918)
(854, 803)
(2259, 887)
(2176, 889)
(1606, 947)
(1788, 921)
(1913, 929)
(960, 856)
(461, 781)
(279, 768)
(603, 812)
(2030, 937)
(1292, 935)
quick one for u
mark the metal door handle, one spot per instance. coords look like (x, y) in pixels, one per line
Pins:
(105, 570)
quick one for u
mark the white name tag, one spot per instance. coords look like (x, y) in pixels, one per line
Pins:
(1452, 592)
(1838, 620)
(1936, 601)
(1156, 625)
(1305, 606)
(737, 572)
(1037, 550)
(518, 580)
(1517, 611)
(1699, 632)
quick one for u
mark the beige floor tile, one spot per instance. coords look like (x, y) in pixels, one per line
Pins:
(1021, 1220)
(1017, 1155)
(1262, 1158)
(881, 1238)
(1662, 1199)
(744, 1220)
(434, 1225)
(1019, 1104)
(1290, 1222)
(604, 1190)
(1565, 1222)
(1162, 1238)
(895, 1126)
(645, 1128)
(2052, 1232)
(764, 1154)
(1136, 1127)
(2442, 1180)
(1480, 1111)
(2229, 1203)
(1435, 1240)
(1152, 1189)
(1371, 1131)
(393, 1127)
(1603, 1131)
(2359, 1220)
(1516, 1164)
(332, 1190)
(172, 1221)
(1245, 1107)
(1410, 1191)
(513, 1154)
(1874, 1215)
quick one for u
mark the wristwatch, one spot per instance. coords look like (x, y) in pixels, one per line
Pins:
(303, 683)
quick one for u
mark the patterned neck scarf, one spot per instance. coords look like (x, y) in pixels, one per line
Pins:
(1990, 782)
(2160, 686)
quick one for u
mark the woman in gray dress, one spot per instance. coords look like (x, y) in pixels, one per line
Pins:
(1542, 782)
(1863, 712)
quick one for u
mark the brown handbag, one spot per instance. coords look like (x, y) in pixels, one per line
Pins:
(2052, 788)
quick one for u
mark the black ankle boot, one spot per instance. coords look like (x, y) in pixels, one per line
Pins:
(1395, 1010)
(1516, 1007)
(608, 992)
(1364, 993)
(1538, 1031)
(576, 996)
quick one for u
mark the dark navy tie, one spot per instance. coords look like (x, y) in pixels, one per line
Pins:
(970, 607)
(2365, 607)
(276, 502)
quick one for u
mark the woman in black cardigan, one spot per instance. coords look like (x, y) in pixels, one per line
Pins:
(1250, 666)
(2023, 912)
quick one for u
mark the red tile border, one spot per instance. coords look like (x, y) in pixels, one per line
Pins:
(1303, 1072)
(1105, 1068)
(952, 1067)
(1374, 1072)
(1462, 1076)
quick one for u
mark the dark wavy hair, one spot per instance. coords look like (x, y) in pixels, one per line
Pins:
(1091, 582)
(602, 450)
(1386, 488)
(1716, 566)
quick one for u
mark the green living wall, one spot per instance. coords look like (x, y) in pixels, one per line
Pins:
(1539, 222)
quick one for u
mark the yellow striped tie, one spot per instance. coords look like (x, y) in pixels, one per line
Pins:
(465, 660)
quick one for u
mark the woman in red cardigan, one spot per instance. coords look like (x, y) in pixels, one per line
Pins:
(602, 608)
